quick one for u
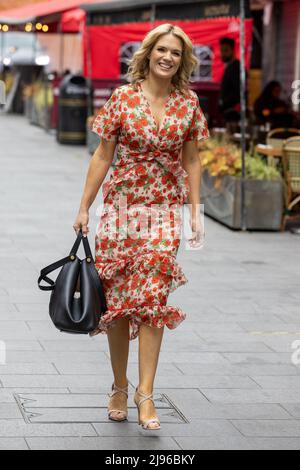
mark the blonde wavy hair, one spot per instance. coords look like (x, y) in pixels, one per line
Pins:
(139, 63)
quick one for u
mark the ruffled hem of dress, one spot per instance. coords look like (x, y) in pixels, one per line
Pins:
(164, 262)
(152, 315)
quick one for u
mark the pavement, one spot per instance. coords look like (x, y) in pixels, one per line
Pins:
(228, 376)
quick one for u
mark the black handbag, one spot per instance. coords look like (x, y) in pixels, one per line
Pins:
(75, 309)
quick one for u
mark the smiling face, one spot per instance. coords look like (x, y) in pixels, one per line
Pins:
(165, 57)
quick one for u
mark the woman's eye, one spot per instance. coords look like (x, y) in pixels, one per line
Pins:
(175, 53)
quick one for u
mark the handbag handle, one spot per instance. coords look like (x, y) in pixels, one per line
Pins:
(86, 245)
(48, 269)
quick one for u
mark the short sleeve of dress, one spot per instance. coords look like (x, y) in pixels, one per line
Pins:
(107, 122)
(198, 129)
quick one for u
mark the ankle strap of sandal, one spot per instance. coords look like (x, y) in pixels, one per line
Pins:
(116, 389)
(145, 397)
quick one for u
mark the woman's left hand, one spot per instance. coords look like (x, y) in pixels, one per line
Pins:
(198, 233)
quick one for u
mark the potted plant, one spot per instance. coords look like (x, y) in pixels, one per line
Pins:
(221, 187)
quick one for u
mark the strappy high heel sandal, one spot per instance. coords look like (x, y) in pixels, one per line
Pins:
(145, 424)
(122, 415)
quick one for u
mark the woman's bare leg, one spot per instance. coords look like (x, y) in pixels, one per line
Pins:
(118, 339)
(150, 339)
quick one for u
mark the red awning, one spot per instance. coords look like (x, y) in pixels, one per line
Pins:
(37, 10)
(72, 21)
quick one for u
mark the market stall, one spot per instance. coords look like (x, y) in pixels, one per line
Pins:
(57, 46)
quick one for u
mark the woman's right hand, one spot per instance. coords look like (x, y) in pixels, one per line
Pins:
(81, 222)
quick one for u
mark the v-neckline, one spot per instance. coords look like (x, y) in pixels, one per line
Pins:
(157, 130)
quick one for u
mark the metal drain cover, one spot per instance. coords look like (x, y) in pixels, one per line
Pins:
(85, 408)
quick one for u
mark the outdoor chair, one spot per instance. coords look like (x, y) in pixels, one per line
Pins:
(277, 137)
(291, 173)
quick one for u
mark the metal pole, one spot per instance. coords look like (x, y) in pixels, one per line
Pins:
(88, 63)
(61, 48)
(2, 52)
(243, 111)
(47, 109)
(153, 14)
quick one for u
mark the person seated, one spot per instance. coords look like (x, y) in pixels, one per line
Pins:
(270, 108)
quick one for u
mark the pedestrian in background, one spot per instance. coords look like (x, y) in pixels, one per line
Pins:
(230, 99)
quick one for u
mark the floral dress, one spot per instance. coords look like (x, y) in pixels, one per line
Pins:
(138, 265)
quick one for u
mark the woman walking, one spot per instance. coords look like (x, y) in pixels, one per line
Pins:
(156, 121)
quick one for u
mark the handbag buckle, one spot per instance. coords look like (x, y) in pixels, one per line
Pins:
(88, 259)
(72, 257)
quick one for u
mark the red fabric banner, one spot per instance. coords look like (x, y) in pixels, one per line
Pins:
(105, 43)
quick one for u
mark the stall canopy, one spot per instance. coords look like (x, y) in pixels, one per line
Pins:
(37, 10)
(73, 21)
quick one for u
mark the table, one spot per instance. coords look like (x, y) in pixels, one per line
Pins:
(270, 152)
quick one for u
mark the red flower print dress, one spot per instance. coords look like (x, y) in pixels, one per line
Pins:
(148, 184)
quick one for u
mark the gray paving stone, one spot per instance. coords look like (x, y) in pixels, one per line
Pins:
(17, 428)
(35, 308)
(206, 381)
(237, 369)
(201, 357)
(6, 396)
(28, 369)
(18, 345)
(258, 358)
(13, 444)
(248, 337)
(292, 409)
(103, 443)
(90, 368)
(281, 343)
(237, 443)
(44, 356)
(38, 390)
(251, 346)
(234, 411)
(250, 396)
(80, 345)
(14, 333)
(271, 428)
(199, 427)
(56, 381)
(270, 327)
(9, 411)
(6, 307)
(278, 382)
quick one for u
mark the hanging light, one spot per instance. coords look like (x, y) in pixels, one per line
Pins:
(38, 26)
(28, 27)
(45, 28)
(5, 28)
